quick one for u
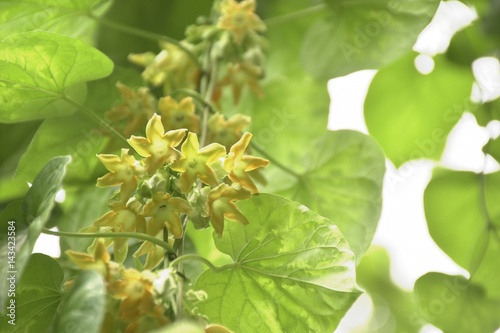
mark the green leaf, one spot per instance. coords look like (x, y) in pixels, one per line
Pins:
(463, 217)
(51, 81)
(373, 274)
(293, 271)
(341, 179)
(487, 112)
(30, 216)
(84, 305)
(65, 17)
(410, 114)
(76, 134)
(37, 296)
(363, 35)
(493, 148)
(471, 43)
(455, 305)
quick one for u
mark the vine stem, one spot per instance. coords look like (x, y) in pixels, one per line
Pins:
(274, 161)
(198, 258)
(145, 237)
(295, 15)
(88, 113)
(145, 34)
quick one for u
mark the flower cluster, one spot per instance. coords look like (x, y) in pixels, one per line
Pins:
(137, 301)
(234, 44)
(169, 186)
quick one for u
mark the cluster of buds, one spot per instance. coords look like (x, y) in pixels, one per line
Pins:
(168, 187)
(234, 44)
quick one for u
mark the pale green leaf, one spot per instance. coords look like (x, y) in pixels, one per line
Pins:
(455, 305)
(463, 216)
(340, 178)
(68, 17)
(410, 114)
(30, 215)
(293, 271)
(41, 72)
(363, 35)
(37, 296)
(84, 305)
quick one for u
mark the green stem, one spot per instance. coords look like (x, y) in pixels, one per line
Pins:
(295, 15)
(274, 161)
(146, 34)
(145, 237)
(198, 258)
(92, 116)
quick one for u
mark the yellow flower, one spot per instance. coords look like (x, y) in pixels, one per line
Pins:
(135, 290)
(241, 74)
(137, 107)
(121, 219)
(154, 254)
(221, 203)
(195, 163)
(240, 19)
(165, 210)
(178, 115)
(99, 261)
(171, 67)
(158, 147)
(227, 132)
(238, 165)
(124, 171)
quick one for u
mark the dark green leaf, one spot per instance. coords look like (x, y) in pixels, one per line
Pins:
(37, 296)
(293, 271)
(31, 215)
(410, 114)
(463, 216)
(83, 306)
(493, 148)
(56, 71)
(74, 135)
(470, 44)
(341, 179)
(364, 35)
(454, 305)
(164, 17)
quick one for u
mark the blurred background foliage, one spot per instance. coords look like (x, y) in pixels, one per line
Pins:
(409, 115)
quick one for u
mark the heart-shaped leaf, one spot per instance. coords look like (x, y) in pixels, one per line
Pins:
(453, 304)
(292, 271)
(42, 75)
(341, 179)
(363, 35)
(410, 114)
(463, 216)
